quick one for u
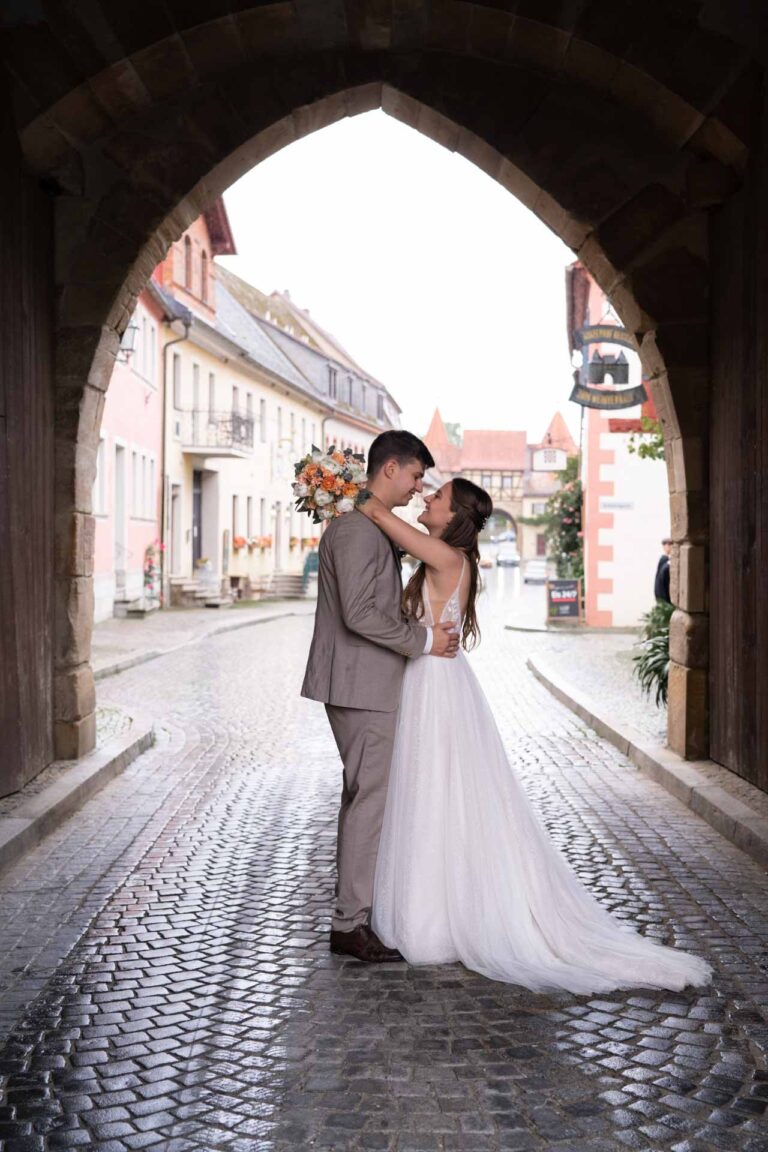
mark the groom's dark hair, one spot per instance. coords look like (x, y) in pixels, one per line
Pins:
(397, 445)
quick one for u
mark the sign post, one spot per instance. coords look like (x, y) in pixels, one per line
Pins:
(563, 600)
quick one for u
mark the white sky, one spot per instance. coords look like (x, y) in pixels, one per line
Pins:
(438, 281)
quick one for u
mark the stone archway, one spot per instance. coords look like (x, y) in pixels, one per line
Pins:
(621, 149)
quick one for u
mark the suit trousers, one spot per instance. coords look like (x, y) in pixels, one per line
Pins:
(365, 740)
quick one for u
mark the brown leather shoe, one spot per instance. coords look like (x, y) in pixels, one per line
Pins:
(391, 955)
(363, 944)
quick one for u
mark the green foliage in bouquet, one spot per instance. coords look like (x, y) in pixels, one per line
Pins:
(652, 661)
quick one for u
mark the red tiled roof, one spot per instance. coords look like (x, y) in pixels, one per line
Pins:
(492, 451)
(557, 435)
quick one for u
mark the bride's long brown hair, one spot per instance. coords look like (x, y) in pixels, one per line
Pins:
(471, 507)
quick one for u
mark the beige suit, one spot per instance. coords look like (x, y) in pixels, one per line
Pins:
(355, 667)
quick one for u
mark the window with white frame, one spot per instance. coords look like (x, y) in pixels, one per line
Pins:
(142, 362)
(151, 490)
(263, 420)
(144, 485)
(262, 516)
(211, 392)
(249, 516)
(235, 515)
(235, 399)
(379, 406)
(152, 370)
(135, 499)
(332, 382)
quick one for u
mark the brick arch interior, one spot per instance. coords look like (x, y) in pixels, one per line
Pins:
(623, 156)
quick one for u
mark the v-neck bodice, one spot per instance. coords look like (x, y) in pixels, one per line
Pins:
(451, 609)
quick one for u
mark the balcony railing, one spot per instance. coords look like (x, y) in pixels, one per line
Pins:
(216, 433)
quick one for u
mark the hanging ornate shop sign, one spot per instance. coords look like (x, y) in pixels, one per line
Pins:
(604, 334)
(615, 398)
(603, 398)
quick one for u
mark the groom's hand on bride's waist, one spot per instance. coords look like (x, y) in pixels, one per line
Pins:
(445, 640)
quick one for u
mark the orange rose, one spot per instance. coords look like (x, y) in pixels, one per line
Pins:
(350, 490)
(328, 483)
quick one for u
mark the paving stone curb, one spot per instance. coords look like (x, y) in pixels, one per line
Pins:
(126, 662)
(42, 813)
(728, 815)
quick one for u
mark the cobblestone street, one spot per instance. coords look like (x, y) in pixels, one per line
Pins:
(166, 981)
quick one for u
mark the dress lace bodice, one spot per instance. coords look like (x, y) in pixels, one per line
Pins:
(452, 609)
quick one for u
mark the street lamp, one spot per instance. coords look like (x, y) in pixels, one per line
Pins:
(127, 344)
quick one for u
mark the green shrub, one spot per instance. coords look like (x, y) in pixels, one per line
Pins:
(652, 661)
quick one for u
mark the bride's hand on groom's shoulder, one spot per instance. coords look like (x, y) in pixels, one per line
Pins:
(367, 503)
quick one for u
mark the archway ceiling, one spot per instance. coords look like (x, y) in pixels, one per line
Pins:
(616, 122)
(78, 75)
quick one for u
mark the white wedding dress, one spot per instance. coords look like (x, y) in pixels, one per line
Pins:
(467, 873)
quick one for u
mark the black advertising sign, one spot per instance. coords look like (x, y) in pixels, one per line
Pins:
(564, 599)
(603, 398)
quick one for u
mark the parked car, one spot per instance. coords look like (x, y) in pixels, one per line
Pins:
(507, 556)
(535, 572)
(504, 537)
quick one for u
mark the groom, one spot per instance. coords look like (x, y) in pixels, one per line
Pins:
(355, 667)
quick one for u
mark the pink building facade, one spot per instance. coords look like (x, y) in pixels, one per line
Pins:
(127, 490)
(626, 498)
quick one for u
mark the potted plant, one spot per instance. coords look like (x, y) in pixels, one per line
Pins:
(238, 542)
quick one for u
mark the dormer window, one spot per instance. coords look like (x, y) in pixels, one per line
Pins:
(204, 277)
(332, 382)
(188, 263)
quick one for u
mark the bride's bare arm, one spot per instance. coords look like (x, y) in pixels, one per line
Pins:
(434, 552)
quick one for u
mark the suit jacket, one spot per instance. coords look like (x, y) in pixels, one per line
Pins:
(361, 639)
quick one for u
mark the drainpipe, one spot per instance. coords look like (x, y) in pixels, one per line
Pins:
(187, 322)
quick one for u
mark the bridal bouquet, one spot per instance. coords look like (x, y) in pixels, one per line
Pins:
(327, 483)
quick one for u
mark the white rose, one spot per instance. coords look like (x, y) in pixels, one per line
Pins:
(327, 514)
(300, 490)
(345, 505)
(322, 497)
(332, 467)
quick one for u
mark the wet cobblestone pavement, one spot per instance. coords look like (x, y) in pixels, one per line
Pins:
(170, 945)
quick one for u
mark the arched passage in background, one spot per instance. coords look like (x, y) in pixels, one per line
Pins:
(638, 140)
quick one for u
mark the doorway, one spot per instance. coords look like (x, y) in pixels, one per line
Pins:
(175, 529)
(197, 517)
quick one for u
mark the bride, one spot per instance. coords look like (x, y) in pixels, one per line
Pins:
(465, 870)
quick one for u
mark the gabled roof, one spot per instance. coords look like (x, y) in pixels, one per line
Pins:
(237, 324)
(219, 229)
(447, 456)
(279, 309)
(481, 450)
(558, 435)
